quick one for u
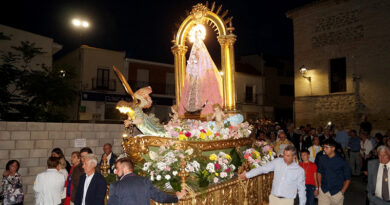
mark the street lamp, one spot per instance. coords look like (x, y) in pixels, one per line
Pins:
(303, 71)
(80, 23)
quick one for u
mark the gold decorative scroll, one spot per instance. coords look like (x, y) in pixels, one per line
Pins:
(256, 191)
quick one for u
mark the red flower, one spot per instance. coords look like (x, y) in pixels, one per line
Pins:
(217, 134)
(202, 130)
(187, 134)
(227, 170)
(217, 166)
(180, 132)
(230, 127)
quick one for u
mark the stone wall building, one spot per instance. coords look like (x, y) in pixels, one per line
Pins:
(345, 47)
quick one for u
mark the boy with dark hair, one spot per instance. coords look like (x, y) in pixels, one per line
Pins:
(310, 177)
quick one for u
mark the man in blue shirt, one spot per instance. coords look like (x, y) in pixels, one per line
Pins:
(334, 176)
(354, 152)
(288, 178)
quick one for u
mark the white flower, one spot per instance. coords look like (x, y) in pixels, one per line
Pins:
(152, 178)
(158, 177)
(196, 165)
(167, 177)
(224, 167)
(223, 174)
(146, 166)
(174, 173)
(153, 155)
(189, 168)
(161, 166)
(232, 167)
(210, 167)
(222, 154)
(189, 151)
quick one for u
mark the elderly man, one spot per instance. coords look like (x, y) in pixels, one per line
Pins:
(135, 190)
(288, 178)
(92, 186)
(378, 177)
(281, 143)
(109, 156)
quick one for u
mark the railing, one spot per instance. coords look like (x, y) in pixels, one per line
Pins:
(101, 84)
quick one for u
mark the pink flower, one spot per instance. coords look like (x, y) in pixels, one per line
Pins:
(202, 130)
(217, 166)
(168, 168)
(215, 179)
(181, 156)
(187, 134)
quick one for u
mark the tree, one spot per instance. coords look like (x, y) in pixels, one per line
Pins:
(33, 95)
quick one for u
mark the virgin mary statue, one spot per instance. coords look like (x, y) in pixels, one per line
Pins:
(203, 84)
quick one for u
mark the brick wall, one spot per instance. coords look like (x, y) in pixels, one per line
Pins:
(31, 143)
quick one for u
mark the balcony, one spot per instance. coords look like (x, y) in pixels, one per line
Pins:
(103, 84)
(158, 88)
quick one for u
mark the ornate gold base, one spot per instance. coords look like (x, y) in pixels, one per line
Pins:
(253, 191)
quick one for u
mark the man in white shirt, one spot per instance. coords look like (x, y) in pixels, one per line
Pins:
(92, 185)
(49, 185)
(288, 178)
(378, 177)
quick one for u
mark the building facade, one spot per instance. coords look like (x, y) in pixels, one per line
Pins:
(344, 47)
(99, 88)
(12, 37)
(277, 84)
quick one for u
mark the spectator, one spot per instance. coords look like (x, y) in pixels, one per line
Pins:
(57, 152)
(288, 178)
(78, 171)
(292, 136)
(68, 184)
(342, 137)
(365, 125)
(65, 174)
(310, 177)
(109, 156)
(135, 190)
(378, 174)
(11, 185)
(281, 143)
(314, 149)
(92, 186)
(308, 140)
(354, 152)
(334, 176)
(49, 185)
(327, 135)
(365, 149)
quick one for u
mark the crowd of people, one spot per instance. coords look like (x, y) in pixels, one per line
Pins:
(317, 164)
(329, 158)
(80, 182)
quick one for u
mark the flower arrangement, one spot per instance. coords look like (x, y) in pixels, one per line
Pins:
(218, 168)
(162, 167)
(196, 130)
(261, 154)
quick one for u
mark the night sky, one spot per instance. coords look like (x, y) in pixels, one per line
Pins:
(144, 29)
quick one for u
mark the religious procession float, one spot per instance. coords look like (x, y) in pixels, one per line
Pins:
(206, 143)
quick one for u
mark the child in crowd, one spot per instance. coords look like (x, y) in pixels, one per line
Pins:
(310, 176)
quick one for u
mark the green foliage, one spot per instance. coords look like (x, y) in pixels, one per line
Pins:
(33, 95)
(236, 159)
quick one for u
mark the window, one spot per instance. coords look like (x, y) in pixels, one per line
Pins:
(338, 75)
(103, 77)
(249, 94)
(286, 90)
